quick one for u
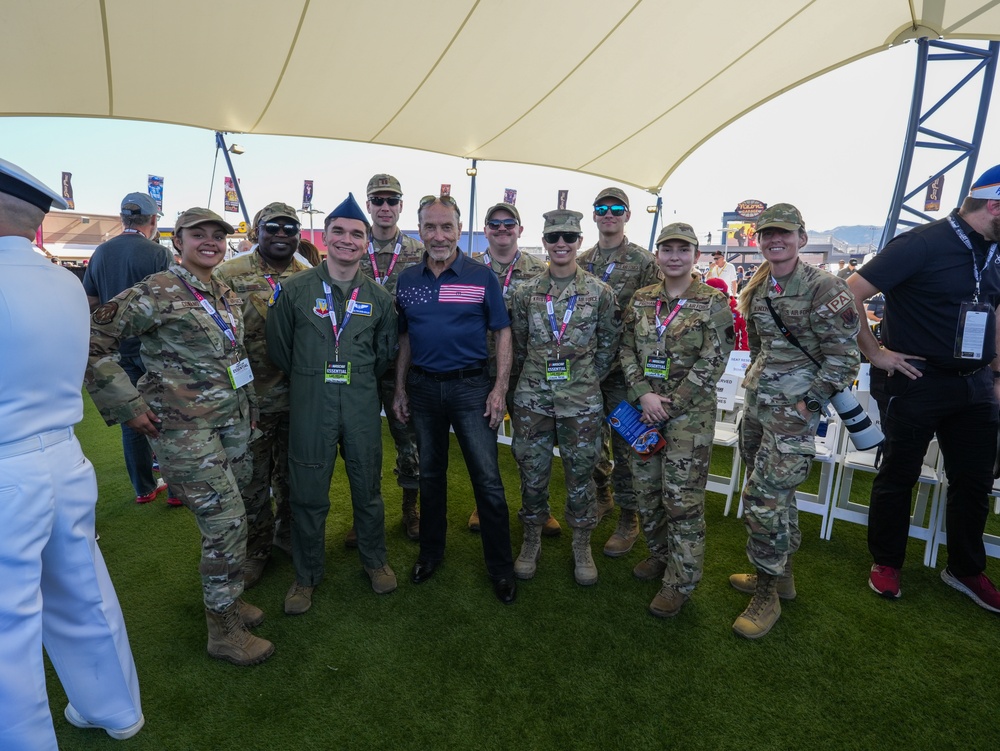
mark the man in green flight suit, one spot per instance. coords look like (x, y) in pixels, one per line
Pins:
(333, 330)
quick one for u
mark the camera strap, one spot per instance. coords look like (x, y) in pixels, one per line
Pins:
(788, 334)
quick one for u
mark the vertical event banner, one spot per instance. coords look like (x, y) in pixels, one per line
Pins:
(510, 196)
(563, 198)
(307, 195)
(933, 200)
(155, 190)
(67, 189)
(445, 189)
(232, 201)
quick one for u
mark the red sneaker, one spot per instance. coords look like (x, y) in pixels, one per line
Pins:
(884, 580)
(978, 588)
(160, 487)
(171, 501)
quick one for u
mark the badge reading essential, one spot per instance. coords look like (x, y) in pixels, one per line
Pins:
(557, 370)
(657, 367)
(338, 373)
(240, 373)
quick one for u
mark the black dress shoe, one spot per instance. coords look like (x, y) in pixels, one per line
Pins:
(423, 570)
(505, 590)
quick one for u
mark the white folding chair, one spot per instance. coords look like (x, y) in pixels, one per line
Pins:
(827, 455)
(990, 541)
(727, 434)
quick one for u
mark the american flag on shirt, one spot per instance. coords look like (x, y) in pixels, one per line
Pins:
(461, 293)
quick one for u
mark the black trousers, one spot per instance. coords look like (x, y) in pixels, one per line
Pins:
(963, 411)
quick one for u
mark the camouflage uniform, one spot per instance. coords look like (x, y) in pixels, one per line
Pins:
(570, 411)
(245, 275)
(776, 442)
(525, 267)
(670, 485)
(411, 252)
(325, 417)
(635, 267)
(204, 422)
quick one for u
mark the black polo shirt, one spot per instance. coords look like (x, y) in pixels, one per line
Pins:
(926, 275)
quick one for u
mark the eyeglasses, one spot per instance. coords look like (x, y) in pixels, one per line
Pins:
(379, 200)
(616, 210)
(568, 237)
(289, 228)
(495, 224)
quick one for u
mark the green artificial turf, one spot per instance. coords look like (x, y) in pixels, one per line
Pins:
(444, 666)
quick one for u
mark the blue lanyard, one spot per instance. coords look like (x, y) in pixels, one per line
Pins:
(349, 308)
(557, 331)
(210, 309)
(607, 272)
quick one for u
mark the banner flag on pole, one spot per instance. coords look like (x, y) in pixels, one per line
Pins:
(155, 190)
(67, 188)
(232, 201)
(563, 198)
(307, 195)
(933, 200)
(510, 196)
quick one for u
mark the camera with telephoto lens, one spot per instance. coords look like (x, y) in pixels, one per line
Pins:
(861, 430)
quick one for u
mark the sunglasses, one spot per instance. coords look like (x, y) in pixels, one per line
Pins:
(616, 210)
(496, 224)
(272, 228)
(568, 237)
(446, 200)
(379, 200)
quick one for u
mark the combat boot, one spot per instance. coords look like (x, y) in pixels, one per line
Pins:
(251, 615)
(253, 569)
(605, 502)
(763, 611)
(624, 536)
(474, 520)
(649, 569)
(531, 550)
(411, 514)
(351, 538)
(551, 527)
(748, 582)
(667, 603)
(228, 638)
(585, 570)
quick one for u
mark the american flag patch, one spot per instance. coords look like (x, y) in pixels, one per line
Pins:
(462, 293)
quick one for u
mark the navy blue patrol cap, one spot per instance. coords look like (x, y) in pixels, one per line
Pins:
(14, 181)
(348, 209)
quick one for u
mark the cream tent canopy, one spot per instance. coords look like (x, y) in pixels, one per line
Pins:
(619, 88)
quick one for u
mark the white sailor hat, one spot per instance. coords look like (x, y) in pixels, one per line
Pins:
(988, 185)
(18, 183)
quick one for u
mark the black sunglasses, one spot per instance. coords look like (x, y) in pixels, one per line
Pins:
(379, 200)
(568, 237)
(496, 224)
(272, 228)
(616, 210)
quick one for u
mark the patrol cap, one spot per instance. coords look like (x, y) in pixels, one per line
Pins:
(508, 207)
(853, 262)
(717, 254)
(562, 220)
(139, 204)
(274, 210)
(195, 216)
(382, 183)
(677, 231)
(617, 193)
(988, 185)
(349, 209)
(14, 181)
(782, 216)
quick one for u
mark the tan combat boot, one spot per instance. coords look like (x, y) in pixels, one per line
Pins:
(585, 570)
(624, 536)
(605, 502)
(748, 582)
(551, 527)
(228, 638)
(251, 615)
(763, 611)
(411, 514)
(667, 603)
(253, 569)
(474, 520)
(649, 569)
(531, 550)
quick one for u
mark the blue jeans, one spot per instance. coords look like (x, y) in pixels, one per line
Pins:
(135, 446)
(435, 407)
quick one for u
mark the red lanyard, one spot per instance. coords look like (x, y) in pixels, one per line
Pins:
(392, 264)
(661, 327)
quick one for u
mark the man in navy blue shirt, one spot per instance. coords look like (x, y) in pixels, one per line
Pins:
(446, 304)
(937, 373)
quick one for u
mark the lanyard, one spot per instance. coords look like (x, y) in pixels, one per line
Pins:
(227, 330)
(774, 283)
(131, 231)
(977, 272)
(557, 332)
(392, 264)
(349, 308)
(661, 327)
(510, 270)
(607, 272)
(271, 282)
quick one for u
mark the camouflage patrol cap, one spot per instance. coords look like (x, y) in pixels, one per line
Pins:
(782, 216)
(617, 193)
(274, 210)
(383, 183)
(195, 216)
(562, 220)
(508, 207)
(677, 231)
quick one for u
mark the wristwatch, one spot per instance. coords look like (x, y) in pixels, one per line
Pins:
(812, 404)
